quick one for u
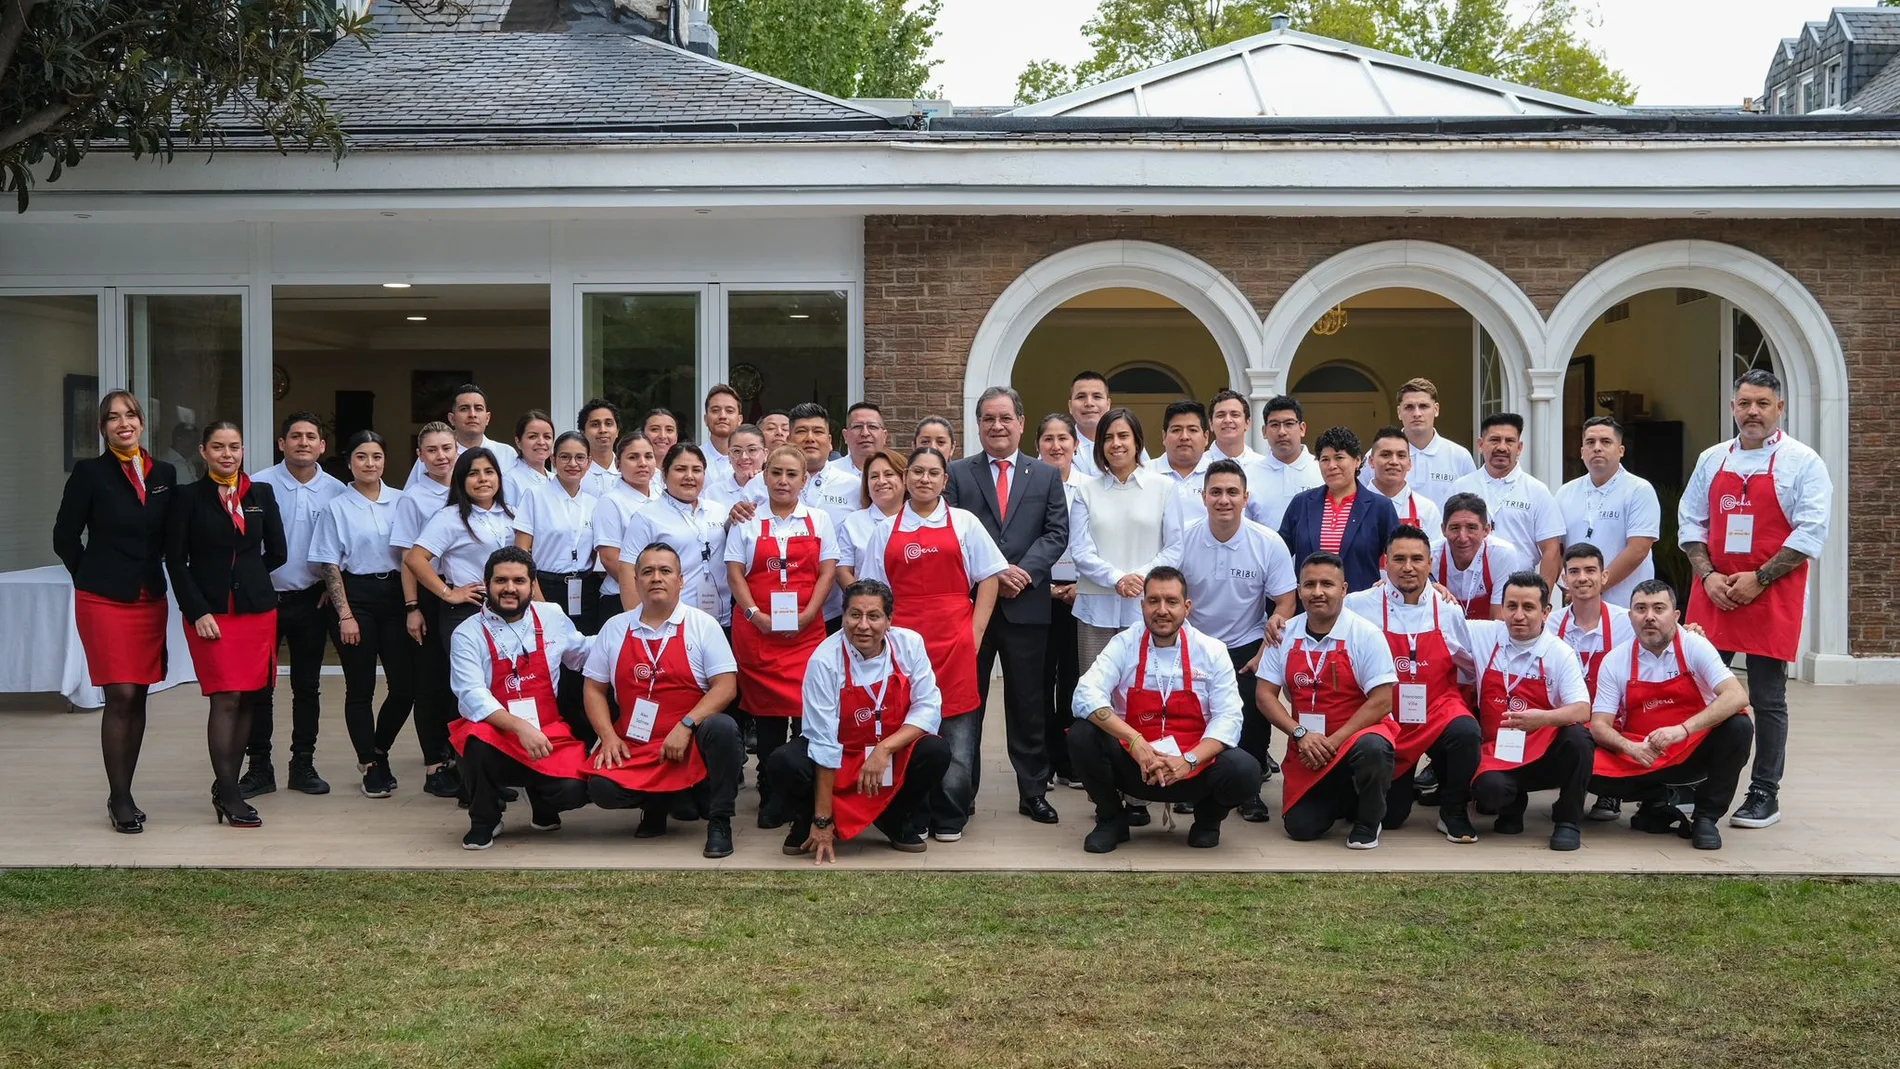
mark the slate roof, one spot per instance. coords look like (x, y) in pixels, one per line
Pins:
(483, 16)
(1881, 95)
(1870, 25)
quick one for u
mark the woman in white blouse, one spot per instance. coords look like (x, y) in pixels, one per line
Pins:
(1055, 446)
(695, 528)
(362, 574)
(534, 450)
(882, 494)
(632, 492)
(556, 526)
(475, 523)
(1115, 526)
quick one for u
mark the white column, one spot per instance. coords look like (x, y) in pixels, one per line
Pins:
(1544, 425)
(1262, 385)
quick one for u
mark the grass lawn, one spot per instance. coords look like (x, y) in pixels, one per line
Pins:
(516, 969)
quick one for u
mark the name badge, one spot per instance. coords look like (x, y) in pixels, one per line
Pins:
(1062, 571)
(890, 770)
(526, 709)
(645, 713)
(1510, 745)
(1411, 703)
(1738, 539)
(573, 596)
(1166, 746)
(1314, 722)
(706, 596)
(784, 610)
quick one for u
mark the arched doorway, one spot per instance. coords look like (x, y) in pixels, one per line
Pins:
(1674, 322)
(1152, 351)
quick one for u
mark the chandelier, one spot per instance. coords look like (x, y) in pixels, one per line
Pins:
(1331, 321)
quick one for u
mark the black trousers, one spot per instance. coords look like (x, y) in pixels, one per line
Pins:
(302, 627)
(572, 685)
(1255, 732)
(1108, 773)
(1768, 699)
(1354, 789)
(1715, 768)
(793, 780)
(723, 750)
(435, 703)
(376, 603)
(485, 770)
(772, 732)
(1059, 675)
(1025, 702)
(1565, 767)
(1455, 756)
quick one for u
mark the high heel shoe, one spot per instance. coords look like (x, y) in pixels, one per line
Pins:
(126, 827)
(238, 813)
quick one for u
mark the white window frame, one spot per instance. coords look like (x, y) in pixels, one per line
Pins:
(1778, 104)
(254, 362)
(1725, 386)
(1831, 80)
(1801, 100)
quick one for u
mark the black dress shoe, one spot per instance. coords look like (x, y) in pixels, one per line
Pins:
(1105, 837)
(1136, 816)
(1204, 835)
(1038, 810)
(1566, 837)
(652, 824)
(507, 794)
(133, 825)
(1254, 811)
(718, 837)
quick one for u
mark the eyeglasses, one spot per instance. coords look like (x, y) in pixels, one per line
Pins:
(996, 421)
(865, 428)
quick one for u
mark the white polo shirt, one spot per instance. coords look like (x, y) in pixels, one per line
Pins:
(1084, 461)
(300, 505)
(1233, 583)
(1705, 664)
(824, 685)
(1607, 517)
(462, 549)
(1385, 607)
(981, 558)
(1247, 455)
(599, 480)
(742, 540)
(726, 490)
(836, 493)
(698, 534)
(611, 516)
(1802, 488)
(1435, 468)
(1271, 485)
(1542, 658)
(707, 651)
(562, 527)
(1523, 510)
(521, 482)
(471, 675)
(1585, 636)
(1107, 682)
(420, 500)
(1186, 506)
(1362, 640)
(505, 457)
(353, 533)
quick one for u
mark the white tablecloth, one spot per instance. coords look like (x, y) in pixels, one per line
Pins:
(41, 652)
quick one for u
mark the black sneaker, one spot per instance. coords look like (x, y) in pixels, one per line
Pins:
(1509, 823)
(683, 807)
(1105, 837)
(1566, 837)
(377, 782)
(1706, 835)
(479, 837)
(718, 837)
(1204, 835)
(545, 822)
(1606, 808)
(910, 841)
(1457, 827)
(770, 817)
(1659, 818)
(1363, 837)
(1759, 811)
(795, 840)
(444, 782)
(652, 824)
(507, 794)
(1184, 809)
(303, 775)
(1136, 816)
(1254, 810)
(260, 778)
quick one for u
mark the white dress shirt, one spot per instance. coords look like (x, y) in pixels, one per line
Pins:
(1501, 557)
(1271, 486)
(1107, 682)
(707, 651)
(471, 666)
(1084, 461)
(1523, 510)
(1802, 487)
(1384, 606)
(1434, 468)
(419, 501)
(1233, 583)
(742, 540)
(1543, 657)
(824, 685)
(353, 533)
(855, 536)
(505, 456)
(616, 508)
(1186, 506)
(837, 494)
(1362, 640)
(562, 527)
(1590, 640)
(725, 489)
(301, 505)
(1607, 517)
(599, 480)
(698, 534)
(462, 550)
(1705, 664)
(981, 558)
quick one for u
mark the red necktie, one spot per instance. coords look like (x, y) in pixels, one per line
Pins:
(1002, 490)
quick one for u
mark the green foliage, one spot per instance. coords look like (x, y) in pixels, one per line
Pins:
(161, 74)
(1541, 49)
(847, 48)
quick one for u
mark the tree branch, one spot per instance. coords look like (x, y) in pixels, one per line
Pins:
(13, 15)
(35, 124)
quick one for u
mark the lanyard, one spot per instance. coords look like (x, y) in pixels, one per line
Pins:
(876, 696)
(1318, 668)
(1446, 572)
(784, 545)
(690, 513)
(653, 656)
(518, 662)
(1598, 495)
(1411, 640)
(1747, 479)
(1510, 684)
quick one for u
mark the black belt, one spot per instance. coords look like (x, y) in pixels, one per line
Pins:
(371, 575)
(564, 575)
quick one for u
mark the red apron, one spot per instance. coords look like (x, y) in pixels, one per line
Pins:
(772, 667)
(1648, 706)
(1479, 607)
(663, 676)
(1424, 658)
(1589, 662)
(1498, 694)
(932, 595)
(1178, 716)
(526, 677)
(1769, 626)
(1339, 698)
(864, 717)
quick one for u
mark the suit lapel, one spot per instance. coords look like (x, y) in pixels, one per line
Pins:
(1352, 520)
(1018, 484)
(986, 482)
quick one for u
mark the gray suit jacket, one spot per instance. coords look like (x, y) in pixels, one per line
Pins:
(1034, 533)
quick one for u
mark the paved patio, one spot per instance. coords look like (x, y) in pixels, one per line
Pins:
(1840, 796)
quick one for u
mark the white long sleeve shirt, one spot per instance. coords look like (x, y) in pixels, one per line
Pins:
(471, 675)
(1802, 487)
(824, 684)
(1107, 682)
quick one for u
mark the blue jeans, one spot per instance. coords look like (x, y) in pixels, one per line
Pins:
(953, 801)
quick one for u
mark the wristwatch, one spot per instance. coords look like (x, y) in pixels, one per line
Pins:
(1299, 732)
(688, 723)
(821, 823)
(1192, 761)
(1764, 580)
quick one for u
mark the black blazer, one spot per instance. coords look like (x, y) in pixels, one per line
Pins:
(212, 566)
(1362, 547)
(1036, 533)
(124, 547)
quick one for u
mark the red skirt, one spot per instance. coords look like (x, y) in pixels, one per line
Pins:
(124, 640)
(242, 658)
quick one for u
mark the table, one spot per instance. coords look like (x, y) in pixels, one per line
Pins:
(42, 653)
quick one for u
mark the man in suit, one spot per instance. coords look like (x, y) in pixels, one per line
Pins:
(1022, 505)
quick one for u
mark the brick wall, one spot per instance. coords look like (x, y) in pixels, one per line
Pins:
(930, 280)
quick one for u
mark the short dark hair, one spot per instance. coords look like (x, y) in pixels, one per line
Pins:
(1188, 407)
(593, 405)
(1101, 432)
(1506, 419)
(1163, 573)
(1471, 503)
(1340, 438)
(1580, 550)
(1067, 421)
(464, 390)
(532, 414)
(869, 588)
(1225, 466)
(808, 410)
(1383, 433)
(656, 547)
(681, 447)
(1762, 378)
(1529, 580)
(719, 388)
(991, 394)
(363, 438)
(300, 417)
(1321, 557)
(864, 406)
(1282, 403)
(1087, 375)
(1406, 530)
(1605, 421)
(507, 555)
(216, 425)
(1246, 407)
(1655, 586)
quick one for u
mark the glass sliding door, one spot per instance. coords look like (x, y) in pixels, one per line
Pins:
(786, 347)
(49, 359)
(185, 352)
(642, 351)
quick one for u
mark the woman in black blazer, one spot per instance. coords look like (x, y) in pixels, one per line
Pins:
(223, 539)
(1370, 518)
(110, 534)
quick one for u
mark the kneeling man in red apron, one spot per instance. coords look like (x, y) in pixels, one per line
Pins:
(673, 676)
(1666, 713)
(1430, 646)
(868, 754)
(1328, 685)
(1159, 720)
(1535, 710)
(510, 734)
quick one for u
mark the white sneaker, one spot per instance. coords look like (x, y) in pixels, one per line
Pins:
(947, 836)
(1357, 839)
